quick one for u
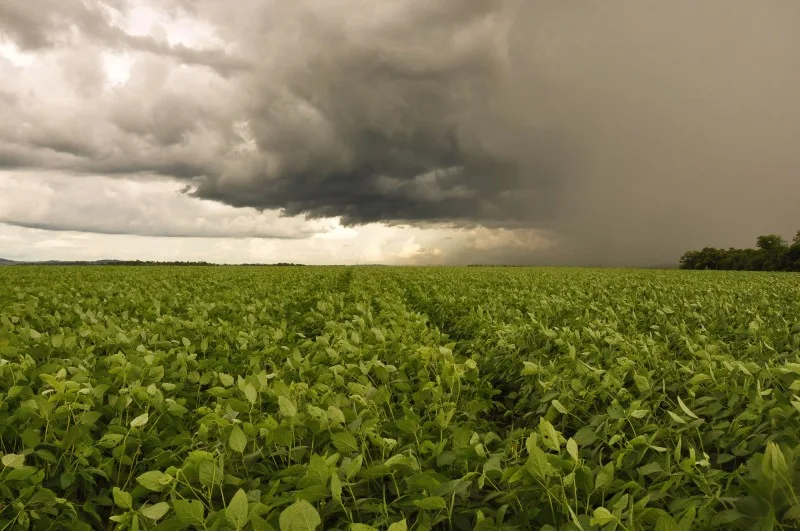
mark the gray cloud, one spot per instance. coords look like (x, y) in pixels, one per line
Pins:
(629, 131)
(218, 60)
(159, 122)
(388, 115)
(45, 24)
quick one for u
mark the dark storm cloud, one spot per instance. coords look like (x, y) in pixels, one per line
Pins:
(387, 115)
(628, 130)
(631, 131)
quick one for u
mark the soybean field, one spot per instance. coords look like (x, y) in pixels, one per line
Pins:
(361, 398)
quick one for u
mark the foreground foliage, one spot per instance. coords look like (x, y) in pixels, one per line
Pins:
(335, 398)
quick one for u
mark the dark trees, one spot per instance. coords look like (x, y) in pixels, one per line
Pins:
(773, 253)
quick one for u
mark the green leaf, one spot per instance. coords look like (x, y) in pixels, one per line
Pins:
(140, 421)
(237, 509)
(538, 465)
(354, 467)
(605, 476)
(153, 480)
(13, 460)
(46, 455)
(226, 379)
(431, 503)
(237, 440)
(686, 409)
(559, 407)
(19, 474)
(362, 527)
(335, 415)
(190, 512)
(621, 503)
(155, 512)
(585, 436)
(531, 442)
(250, 393)
(209, 473)
(584, 479)
(529, 368)
(688, 518)
(399, 526)
(549, 434)
(336, 487)
(774, 464)
(287, 408)
(110, 440)
(601, 516)
(793, 513)
(122, 499)
(642, 383)
(676, 418)
(728, 516)
(300, 516)
(650, 468)
(666, 523)
(344, 442)
(572, 450)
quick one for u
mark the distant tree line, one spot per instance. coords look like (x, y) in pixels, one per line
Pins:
(772, 253)
(144, 263)
(136, 263)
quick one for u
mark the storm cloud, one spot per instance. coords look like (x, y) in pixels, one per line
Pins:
(626, 131)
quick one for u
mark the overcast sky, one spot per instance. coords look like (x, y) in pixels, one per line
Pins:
(614, 132)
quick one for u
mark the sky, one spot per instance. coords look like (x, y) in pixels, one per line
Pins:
(413, 132)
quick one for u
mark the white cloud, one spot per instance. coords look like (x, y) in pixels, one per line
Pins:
(13, 55)
(149, 207)
(64, 243)
(117, 67)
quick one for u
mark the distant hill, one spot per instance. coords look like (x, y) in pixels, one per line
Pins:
(4, 261)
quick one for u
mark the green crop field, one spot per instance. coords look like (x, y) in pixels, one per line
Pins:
(302, 398)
